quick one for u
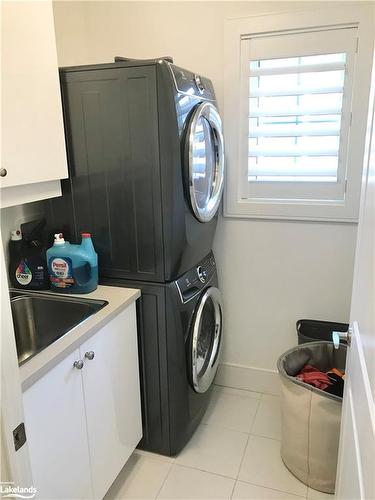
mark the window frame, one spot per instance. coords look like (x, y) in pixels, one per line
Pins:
(236, 30)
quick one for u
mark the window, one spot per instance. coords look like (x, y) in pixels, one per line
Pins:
(295, 111)
(297, 156)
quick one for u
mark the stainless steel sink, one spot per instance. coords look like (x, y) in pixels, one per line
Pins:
(41, 318)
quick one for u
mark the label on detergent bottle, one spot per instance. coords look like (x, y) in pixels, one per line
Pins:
(61, 272)
(23, 273)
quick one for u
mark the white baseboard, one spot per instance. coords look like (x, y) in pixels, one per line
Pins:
(248, 378)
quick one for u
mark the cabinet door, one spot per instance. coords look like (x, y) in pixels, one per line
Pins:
(56, 433)
(112, 398)
(33, 143)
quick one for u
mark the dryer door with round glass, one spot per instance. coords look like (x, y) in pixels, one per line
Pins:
(205, 158)
(206, 339)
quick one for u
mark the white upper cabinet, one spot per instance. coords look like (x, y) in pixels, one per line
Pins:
(33, 143)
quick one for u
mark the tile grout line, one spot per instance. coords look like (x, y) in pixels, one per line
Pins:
(255, 416)
(249, 433)
(249, 391)
(205, 470)
(155, 456)
(271, 488)
(243, 390)
(264, 437)
(220, 426)
(258, 400)
(165, 479)
(247, 442)
(239, 468)
(235, 478)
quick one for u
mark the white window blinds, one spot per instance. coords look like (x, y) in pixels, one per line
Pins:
(295, 107)
(296, 99)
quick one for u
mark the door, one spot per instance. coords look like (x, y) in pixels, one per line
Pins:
(206, 336)
(56, 433)
(112, 397)
(204, 158)
(355, 475)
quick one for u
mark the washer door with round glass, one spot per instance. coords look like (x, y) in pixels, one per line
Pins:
(206, 339)
(205, 158)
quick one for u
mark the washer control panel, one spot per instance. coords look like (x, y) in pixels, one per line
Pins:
(202, 274)
(190, 283)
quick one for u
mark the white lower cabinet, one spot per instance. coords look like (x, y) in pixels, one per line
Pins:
(83, 424)
(55, 424)
(112, 398)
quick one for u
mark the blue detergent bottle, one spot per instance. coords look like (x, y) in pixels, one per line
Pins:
(73, 268)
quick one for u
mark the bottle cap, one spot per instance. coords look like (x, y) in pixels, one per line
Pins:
(86, 235)
(59, 239)
(16, 235)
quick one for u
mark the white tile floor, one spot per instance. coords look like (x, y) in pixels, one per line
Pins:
(234, 454)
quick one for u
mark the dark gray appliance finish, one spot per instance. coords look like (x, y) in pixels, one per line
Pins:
(127, 128)
(179, 332)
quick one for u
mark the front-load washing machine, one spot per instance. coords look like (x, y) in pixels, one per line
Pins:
(180, 344)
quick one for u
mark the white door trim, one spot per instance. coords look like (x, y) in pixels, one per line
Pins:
(355, 471)
(358, 418)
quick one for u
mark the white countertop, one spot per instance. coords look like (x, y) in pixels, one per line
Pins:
(118, 298)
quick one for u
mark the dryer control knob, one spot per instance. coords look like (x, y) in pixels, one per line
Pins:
(199, 83)
(202, 274)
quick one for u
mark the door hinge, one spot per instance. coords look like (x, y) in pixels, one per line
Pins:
(19, 436)
(346, 186)
(356, 49)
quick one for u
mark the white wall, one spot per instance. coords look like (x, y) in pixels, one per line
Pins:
(271, 273)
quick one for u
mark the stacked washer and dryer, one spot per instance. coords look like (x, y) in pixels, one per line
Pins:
(146, 160)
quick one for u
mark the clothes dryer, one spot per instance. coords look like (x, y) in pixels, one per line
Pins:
(146, 166)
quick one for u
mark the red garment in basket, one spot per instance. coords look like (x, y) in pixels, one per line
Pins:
(311, 375)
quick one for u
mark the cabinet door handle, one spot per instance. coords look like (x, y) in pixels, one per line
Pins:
(78, 364)
(90, 355)
(3, 172)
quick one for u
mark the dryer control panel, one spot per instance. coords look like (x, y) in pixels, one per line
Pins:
(192, 282)
(192, 84)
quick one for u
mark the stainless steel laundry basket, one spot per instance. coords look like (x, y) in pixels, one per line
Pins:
(310, 417)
